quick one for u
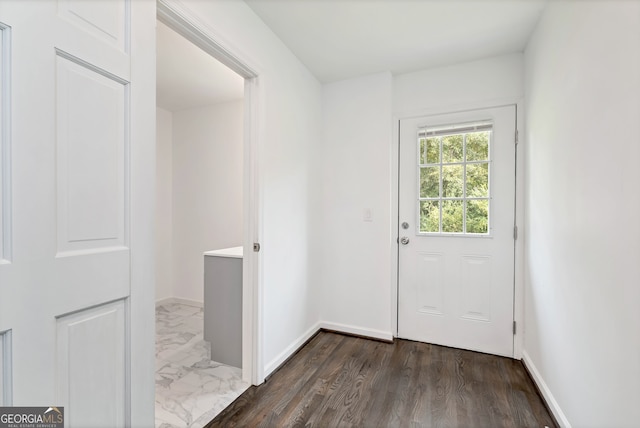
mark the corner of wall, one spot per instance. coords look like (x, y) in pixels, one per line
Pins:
(355, 198)
(550, 400)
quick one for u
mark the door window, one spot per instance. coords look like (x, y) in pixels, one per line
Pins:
(454, 194)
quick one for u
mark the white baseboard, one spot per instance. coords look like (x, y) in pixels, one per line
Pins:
(546, 392)
(179, 300)
(358, 331)
(290, 350)
(340, 328)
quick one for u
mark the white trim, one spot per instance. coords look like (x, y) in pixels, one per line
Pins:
(458, 108)
(518, 289)
(358, 331)
(180, 19)
(338, 328)
(291, 349)
(5, 145)
(6, 369)
(252, 303)
(140, 388)
(546, 392)
(395, 221)
(180, 301)
(518, 307)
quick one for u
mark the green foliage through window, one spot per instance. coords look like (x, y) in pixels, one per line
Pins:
(454, 183)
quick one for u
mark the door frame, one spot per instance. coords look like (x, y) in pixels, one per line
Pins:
(519, 271)
(181, 21)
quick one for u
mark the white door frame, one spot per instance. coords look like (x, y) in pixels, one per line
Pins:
(518, 295)
(187, 25)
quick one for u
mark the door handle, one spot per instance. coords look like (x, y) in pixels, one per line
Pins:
(404, 240)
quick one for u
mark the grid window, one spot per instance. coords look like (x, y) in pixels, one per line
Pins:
(454, 168)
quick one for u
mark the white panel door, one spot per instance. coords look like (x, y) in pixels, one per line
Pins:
(73, 292)
(456, 215)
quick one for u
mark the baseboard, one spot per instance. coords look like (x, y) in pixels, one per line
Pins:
(278, 361)
(285, 355)
(179, 300)
(357, 331)
(545, 391)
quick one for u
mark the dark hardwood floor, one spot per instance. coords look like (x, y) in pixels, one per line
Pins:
(342, 381)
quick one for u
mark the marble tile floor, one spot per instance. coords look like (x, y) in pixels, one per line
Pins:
(190, 388)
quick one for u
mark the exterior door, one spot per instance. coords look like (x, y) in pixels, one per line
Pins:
(76, 292)
(456, 215)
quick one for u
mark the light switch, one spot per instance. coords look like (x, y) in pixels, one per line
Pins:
(367, 214)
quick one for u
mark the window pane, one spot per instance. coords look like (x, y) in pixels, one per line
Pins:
(452, 216)
(452, 148)
(430, 182)
(432, 150)
(429, 216)
(429, 150)
(478, 180)
(452, 170)
(452, 181)
(478, 216)
(478, 146)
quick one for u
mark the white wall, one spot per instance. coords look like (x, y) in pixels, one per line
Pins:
(354, 270)
(583, 234)
(164, 204)
(474, 84)
(207, 190)
(289, 115)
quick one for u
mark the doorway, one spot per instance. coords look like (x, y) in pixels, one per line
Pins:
(456, 229)
(228, 124)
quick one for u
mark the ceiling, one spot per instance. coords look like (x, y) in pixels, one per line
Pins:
(187, 77)
(339, 39)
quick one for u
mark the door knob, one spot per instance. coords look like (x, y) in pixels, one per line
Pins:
(404, 240)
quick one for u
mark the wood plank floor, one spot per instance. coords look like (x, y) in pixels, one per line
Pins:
(343, 381)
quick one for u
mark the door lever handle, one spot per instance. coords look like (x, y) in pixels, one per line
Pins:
(404, 240)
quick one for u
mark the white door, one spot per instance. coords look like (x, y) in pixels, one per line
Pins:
(456, 215)
(76, 289)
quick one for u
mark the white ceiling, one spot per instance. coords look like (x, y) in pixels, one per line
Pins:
(187, 77)
(338, 39)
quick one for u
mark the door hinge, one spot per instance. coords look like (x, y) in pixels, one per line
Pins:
(517, 137)
(514, 327)
(515, 232)
(256, 247)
